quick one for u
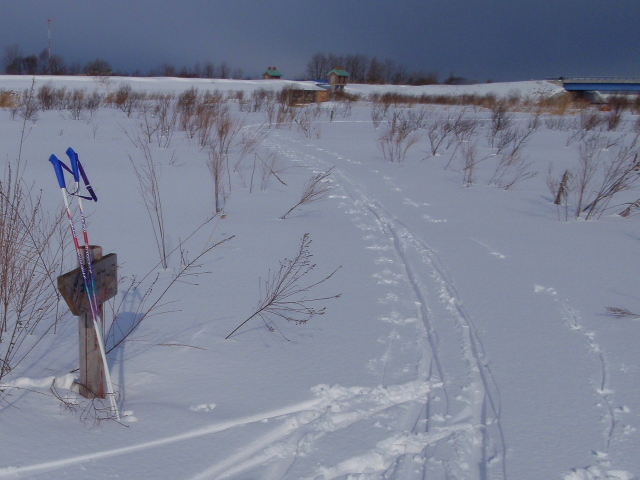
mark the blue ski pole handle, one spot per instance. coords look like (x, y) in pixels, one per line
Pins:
(73, 156)
(57, 166)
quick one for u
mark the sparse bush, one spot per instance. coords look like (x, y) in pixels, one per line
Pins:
(602, 173)
(166, 116)
(147, 171)
(470, 159)
(378, 112)
(619, 174)
(223, 137)
(125, 99)
(50, 97)
(28, 107)
(30, 257)
(438, 129)
(557, 122)
(269, 167)
(501, 122)
(306, 121)
(186, 107)
(316, 189)
(400, 132)
(93, 102)
(9, 99)
(284, 297)
(613, 117)
(76, 104)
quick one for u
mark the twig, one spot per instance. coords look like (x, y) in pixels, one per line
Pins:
(316, 189)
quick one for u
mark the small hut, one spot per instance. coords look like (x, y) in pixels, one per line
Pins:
(338, 78)
(271, 73)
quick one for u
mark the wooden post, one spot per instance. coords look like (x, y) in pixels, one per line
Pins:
(91, 379)
(71, 286)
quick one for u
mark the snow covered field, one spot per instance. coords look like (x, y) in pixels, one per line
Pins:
(471, 339)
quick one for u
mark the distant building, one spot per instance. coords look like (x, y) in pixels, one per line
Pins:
(271, 73)
(338, 78)
(304, 93)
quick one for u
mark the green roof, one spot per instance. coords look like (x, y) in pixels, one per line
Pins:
(339, 72)
(273, 73)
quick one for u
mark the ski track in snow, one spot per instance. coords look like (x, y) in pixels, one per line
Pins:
(479, 449)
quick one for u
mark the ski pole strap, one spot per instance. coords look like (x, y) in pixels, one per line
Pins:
(78, 171)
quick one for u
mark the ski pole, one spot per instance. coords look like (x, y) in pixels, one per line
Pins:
(57, 166)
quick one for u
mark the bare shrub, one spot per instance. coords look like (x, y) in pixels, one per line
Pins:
(186, 105)
(126, 99)
(501, 121)
(315, 189)
(463, 126)
(613, 118)
(222, 139)
(590, 119)
(470, 159)
(147, 122)
(147, 171)
(438, 129)
(259, 98)
(204, 122)
(92, 102)
(30, 257)
(589, 151)
(269, 167)
(284, 115)
(284, 297)
(513, 169)
(76, 104)
(28, 107)
(270, 111)
(306, 122)
(8, 98)
(166, 116)
(557, 122)
(400, 132)
(247, 144)
(620, 173)
(604, 170)
(378, 113)
(512, 166)
(50, 97)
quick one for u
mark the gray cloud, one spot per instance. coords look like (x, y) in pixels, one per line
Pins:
(481, 40)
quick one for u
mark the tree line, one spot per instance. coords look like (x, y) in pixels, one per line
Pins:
(16, 63)
(361, 69)
(364, 69)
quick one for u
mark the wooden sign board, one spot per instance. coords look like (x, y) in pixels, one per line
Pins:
(105, 276)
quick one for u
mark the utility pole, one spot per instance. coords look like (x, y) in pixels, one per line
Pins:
(49, 39)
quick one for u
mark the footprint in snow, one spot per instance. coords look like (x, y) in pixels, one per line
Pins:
(541, 289)
(204, 407)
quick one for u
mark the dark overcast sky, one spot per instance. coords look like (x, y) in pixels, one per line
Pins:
(482, 40)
